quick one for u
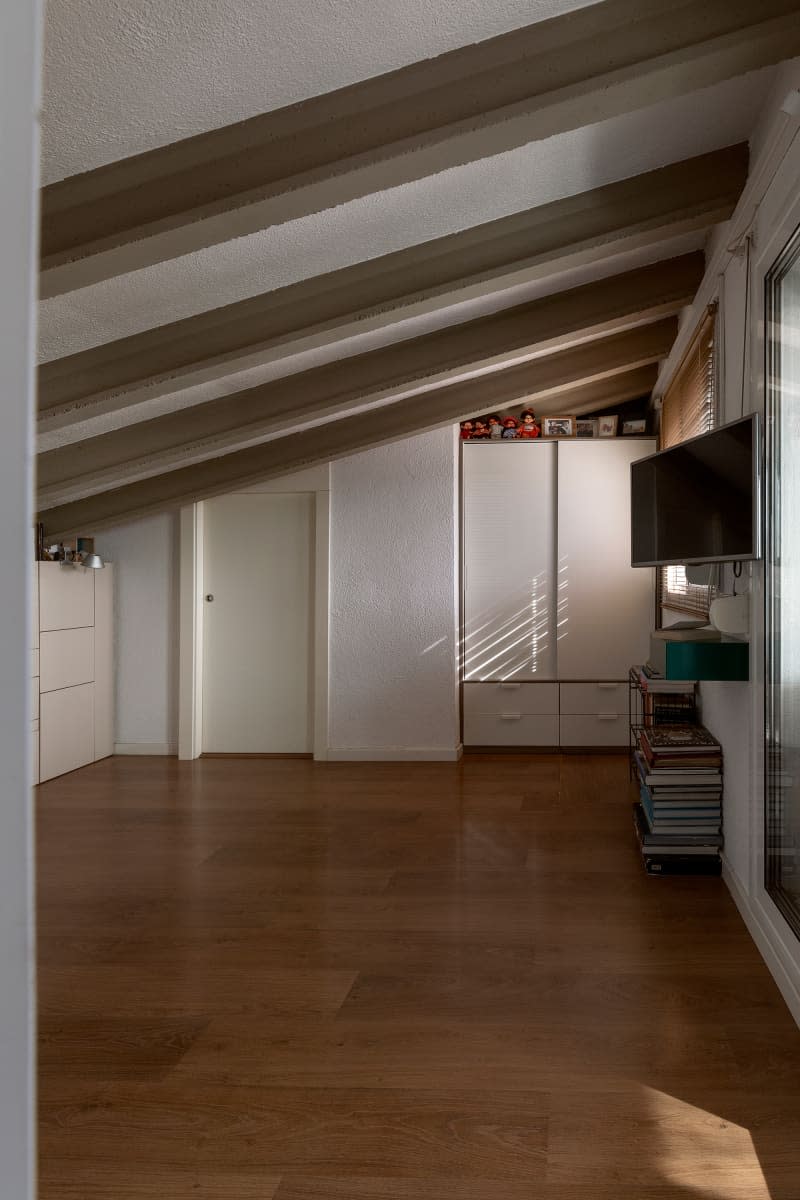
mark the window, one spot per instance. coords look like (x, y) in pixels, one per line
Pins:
(688, 409)
(782, 586)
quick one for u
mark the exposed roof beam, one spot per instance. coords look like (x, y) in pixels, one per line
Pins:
(480, 100)
(594, 310)
(635, 212)
(547, 377)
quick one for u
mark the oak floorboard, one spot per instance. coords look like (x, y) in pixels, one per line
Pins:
(288, 980)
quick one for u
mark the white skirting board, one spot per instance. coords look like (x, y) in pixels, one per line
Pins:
(398, 754)
(764, 933)
(146, 748)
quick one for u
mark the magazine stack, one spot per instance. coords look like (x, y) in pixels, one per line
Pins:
(678, 817)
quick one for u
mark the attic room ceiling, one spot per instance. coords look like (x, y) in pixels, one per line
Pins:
(209, 316)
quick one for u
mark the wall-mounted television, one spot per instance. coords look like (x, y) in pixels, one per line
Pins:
(698, 502)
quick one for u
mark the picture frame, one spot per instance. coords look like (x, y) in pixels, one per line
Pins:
(558, 426)
(638, 425)
(586, 427)
(607, 426)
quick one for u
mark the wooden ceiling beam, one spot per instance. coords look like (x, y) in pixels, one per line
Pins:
(594, 310)
(636, 212)
(550, 381)
(469, 104)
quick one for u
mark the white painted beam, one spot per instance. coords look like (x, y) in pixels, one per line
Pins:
(466, 105)
(551, 376)
(638, 212)
(329, 392)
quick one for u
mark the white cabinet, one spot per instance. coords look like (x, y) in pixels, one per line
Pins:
(66, 731)
(67, 658)
(549, 592)
(73, 684)
(104, 661)
(66, 597)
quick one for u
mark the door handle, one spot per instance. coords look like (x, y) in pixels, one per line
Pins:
(209, 597)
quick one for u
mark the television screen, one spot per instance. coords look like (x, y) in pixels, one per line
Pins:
(698, 502)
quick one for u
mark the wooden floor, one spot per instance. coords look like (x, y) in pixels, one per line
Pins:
(423, 981)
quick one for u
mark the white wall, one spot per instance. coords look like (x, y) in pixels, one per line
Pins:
(769, 210)
(19, 83)
(145, 554)
(393, 610)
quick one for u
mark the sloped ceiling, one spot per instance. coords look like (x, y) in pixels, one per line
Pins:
(275, 234)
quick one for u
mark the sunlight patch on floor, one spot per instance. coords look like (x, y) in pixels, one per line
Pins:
(703, 1152)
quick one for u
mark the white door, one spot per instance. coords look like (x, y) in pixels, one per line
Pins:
(258, 623)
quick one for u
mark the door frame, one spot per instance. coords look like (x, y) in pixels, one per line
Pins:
(191, 613)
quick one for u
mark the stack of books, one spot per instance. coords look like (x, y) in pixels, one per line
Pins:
(665, 701)
(678, 817)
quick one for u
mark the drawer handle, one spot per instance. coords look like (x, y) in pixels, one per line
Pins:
(608, 687)
(511, 687)
(510, 716)
(607, 716)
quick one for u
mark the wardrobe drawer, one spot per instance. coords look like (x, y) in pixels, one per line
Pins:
(66, 658)
(494, 699)
(581, 699)
(66, 730)
(603, 729)
(510, 729)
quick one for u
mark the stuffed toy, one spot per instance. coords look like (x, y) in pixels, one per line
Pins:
(527, 424)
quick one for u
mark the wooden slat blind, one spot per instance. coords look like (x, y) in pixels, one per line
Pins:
(689, 408)
(688, 405)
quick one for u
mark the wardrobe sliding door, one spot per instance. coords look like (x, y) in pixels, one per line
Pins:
(605, 606)
(509, 561)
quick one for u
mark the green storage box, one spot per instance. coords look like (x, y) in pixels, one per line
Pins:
(707, 660)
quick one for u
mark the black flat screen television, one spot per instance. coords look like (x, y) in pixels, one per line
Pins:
(699, 502)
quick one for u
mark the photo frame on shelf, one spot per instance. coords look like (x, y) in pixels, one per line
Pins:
(637, 425)
(607, 426)
(558, 426)
(586, 427)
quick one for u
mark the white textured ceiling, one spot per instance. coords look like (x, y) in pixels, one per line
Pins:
(123, 76)
(384, 221)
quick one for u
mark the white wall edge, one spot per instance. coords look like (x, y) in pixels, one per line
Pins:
(322, 606)
(146, 748)
(767, 939)
(778, 137)
(190, 632)
(398, 754)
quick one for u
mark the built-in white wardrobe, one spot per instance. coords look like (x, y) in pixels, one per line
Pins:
(554, 614)
(72, 668)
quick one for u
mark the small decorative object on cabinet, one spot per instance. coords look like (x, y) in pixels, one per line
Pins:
(585, 427)
(607, 426)
(555, 427)
(528, 426)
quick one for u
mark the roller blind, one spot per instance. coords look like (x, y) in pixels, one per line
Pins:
(689, 408)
